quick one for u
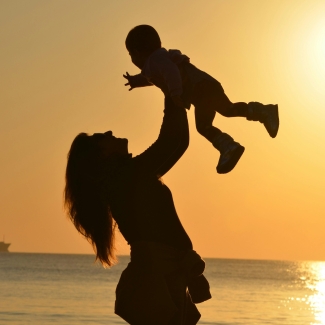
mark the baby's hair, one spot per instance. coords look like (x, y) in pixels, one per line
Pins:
(143, 38)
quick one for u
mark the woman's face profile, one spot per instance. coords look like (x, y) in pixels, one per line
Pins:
(110, 144)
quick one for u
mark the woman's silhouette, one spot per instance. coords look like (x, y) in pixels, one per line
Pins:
(106, 186)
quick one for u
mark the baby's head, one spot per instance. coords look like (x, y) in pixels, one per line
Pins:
(141, 41)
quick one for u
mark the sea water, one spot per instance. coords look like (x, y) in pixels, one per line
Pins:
(42, 289)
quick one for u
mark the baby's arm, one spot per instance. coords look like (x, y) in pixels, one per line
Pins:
(136, 81)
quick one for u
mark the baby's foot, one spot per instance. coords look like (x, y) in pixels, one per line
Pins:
(266, 114)
(230, 153)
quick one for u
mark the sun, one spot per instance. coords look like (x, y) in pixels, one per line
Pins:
(316, 48)
(307, 56)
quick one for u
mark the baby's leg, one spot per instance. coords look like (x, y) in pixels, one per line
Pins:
(253, 111)
(207, 95)
(228, 109)
(204, 117)
(222, 104)
(230, 151)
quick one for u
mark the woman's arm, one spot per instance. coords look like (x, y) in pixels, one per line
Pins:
(171, 144)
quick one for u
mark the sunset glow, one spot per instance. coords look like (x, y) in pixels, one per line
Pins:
(61, 69)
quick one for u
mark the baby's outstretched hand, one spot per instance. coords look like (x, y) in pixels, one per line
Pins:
(178, 101)
(129, 79)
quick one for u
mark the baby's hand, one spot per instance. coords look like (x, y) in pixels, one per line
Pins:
(178, 101)
(129, 79)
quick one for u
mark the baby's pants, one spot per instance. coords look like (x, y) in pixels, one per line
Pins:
(208, 98)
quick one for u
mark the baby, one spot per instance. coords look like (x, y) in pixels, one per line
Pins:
(173, 73)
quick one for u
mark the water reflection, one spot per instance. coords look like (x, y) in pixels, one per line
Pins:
(308, 280)
(316, 284)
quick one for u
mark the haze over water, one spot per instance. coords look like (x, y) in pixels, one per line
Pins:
(43, 289)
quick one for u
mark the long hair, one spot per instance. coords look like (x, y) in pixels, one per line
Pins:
(83, 198)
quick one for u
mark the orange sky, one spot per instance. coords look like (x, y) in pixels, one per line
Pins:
(61, 66)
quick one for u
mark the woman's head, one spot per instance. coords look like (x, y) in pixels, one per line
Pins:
(109, 144)
(88, 209)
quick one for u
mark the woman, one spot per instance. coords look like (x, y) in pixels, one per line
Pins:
(106, 186)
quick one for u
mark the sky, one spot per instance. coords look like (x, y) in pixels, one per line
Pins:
(61, 67)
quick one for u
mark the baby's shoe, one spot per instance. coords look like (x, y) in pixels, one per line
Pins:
(230, 152)
(266, 114)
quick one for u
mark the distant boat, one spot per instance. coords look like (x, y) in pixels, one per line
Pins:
(4, 246)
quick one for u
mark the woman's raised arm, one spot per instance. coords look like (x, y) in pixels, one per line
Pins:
(171, 144)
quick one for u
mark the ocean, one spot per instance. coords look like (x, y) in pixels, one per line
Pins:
(43, 289)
